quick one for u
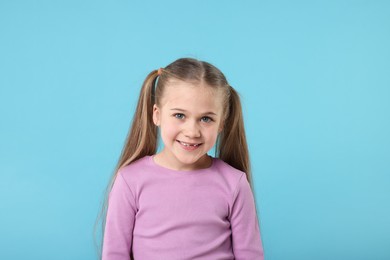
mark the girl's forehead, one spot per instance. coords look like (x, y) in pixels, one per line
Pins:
(173, 86)
(187, 93)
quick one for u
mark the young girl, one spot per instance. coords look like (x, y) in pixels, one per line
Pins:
(182, 203)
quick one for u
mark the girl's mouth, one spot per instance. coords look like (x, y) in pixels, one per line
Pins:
(189, 146)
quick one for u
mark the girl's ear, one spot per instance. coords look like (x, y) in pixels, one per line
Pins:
(156, 115)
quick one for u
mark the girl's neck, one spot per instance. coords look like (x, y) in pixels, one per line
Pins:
(166, 161)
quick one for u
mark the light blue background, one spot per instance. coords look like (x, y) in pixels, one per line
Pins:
(315, 83)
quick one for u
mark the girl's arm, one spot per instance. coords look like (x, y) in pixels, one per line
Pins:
(244, 224)
(118, 234)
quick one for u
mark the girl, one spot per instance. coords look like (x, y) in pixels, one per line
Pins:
(182, 203)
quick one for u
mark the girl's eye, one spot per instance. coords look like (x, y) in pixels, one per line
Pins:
(179, 116)
(206, 119)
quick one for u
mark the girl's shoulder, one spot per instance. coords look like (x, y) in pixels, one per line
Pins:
(227, 169)
(230, 175)
(135, 167)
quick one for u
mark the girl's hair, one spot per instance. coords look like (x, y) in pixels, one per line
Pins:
(231, 145)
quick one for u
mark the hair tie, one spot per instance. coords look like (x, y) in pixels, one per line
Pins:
(159, 71)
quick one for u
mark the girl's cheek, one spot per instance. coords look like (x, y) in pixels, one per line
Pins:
(171, 128)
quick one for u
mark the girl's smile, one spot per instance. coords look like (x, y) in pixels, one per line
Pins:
(190, 118)
(189, 146)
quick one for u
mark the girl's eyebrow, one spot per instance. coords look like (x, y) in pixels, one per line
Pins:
(182, 110)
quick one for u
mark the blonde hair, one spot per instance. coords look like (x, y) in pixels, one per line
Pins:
(231, 145)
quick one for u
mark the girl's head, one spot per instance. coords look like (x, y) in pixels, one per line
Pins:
(199, 83)
(190, 106)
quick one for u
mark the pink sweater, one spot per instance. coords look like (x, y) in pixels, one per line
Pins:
(156, 213)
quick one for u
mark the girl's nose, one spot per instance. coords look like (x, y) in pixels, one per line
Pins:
(192, 130)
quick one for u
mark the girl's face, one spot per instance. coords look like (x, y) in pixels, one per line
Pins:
(190, 119)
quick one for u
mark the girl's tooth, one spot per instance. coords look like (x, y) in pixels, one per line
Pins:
(185, 144)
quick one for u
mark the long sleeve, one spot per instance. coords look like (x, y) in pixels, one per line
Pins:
(245, 227)
(121, 212)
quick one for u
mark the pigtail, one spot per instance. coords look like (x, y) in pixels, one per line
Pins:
(142, 138)
(232, 146)
(141, 141)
